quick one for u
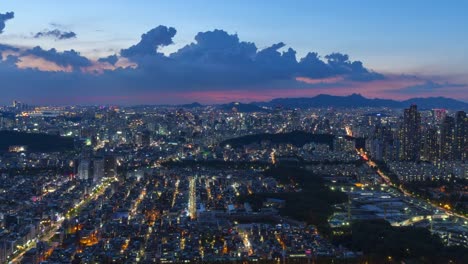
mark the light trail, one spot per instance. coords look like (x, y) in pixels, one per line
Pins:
(192, 204)
(176, 192)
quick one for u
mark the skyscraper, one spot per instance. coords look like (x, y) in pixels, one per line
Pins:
(410, 134)
(447, 133)
(110, 166)
(83, 169)
(460, 147)
(430, 146)
(98, 169)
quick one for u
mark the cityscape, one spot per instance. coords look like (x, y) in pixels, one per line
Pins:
(155, 184)
(222, 150)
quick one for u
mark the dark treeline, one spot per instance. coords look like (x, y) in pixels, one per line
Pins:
(380, 242)
(218, 164)
(313, 204)
(296, 138)
(35, 142)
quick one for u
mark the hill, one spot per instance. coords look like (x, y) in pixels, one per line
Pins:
(357, 100)
(297, 138)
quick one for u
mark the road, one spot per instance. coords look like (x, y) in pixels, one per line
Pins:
(405, 192)
(56, 225)
(192, 204)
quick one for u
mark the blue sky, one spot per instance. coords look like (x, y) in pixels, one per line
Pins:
(389, 37)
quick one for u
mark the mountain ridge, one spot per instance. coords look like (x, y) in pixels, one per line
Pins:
(357, 100)
(349, 101)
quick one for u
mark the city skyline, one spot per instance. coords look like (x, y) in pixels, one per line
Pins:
(233, 131)
(218, 53)
(164, 184)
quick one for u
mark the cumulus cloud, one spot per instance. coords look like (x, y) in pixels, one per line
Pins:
(214, 61)
(65, 58)
(151, 41)
(4, 18)
(217, 55)
(56, 34)
(112, 59)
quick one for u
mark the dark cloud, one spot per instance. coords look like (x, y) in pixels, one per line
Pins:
(216, 47)
(65, 58)
(11, 60)
(216, 60)
(4, 18)
(216, 57)
(151, 41)
(4, 47)
(56, 33)
(112, 59)
(341, 65)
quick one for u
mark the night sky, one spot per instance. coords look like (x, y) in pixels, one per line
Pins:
(171, 52)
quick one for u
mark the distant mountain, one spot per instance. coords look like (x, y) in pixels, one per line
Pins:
(242, 108)
(357, 100)
(436, 102)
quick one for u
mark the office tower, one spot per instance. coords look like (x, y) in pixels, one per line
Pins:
(381, 142)
(410, 134)
(460, 136)
(98, 169)
(143, 139)
(430, 142)
(447, 134)
(83, 169)
(110, 166)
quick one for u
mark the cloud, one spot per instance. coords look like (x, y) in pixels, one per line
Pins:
(65, 58)
(218, 58)
(216, 64)
(4, 18)
(4, 47)
(150, 42)
(112, 59)
(56, 33)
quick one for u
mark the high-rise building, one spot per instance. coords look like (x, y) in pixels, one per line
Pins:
(110, 166)
(447, 133)
(381, 143)
(460, 136)
(83, 169)
(143, 139)
(410, 134)
(98, 169)
(430, 142)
